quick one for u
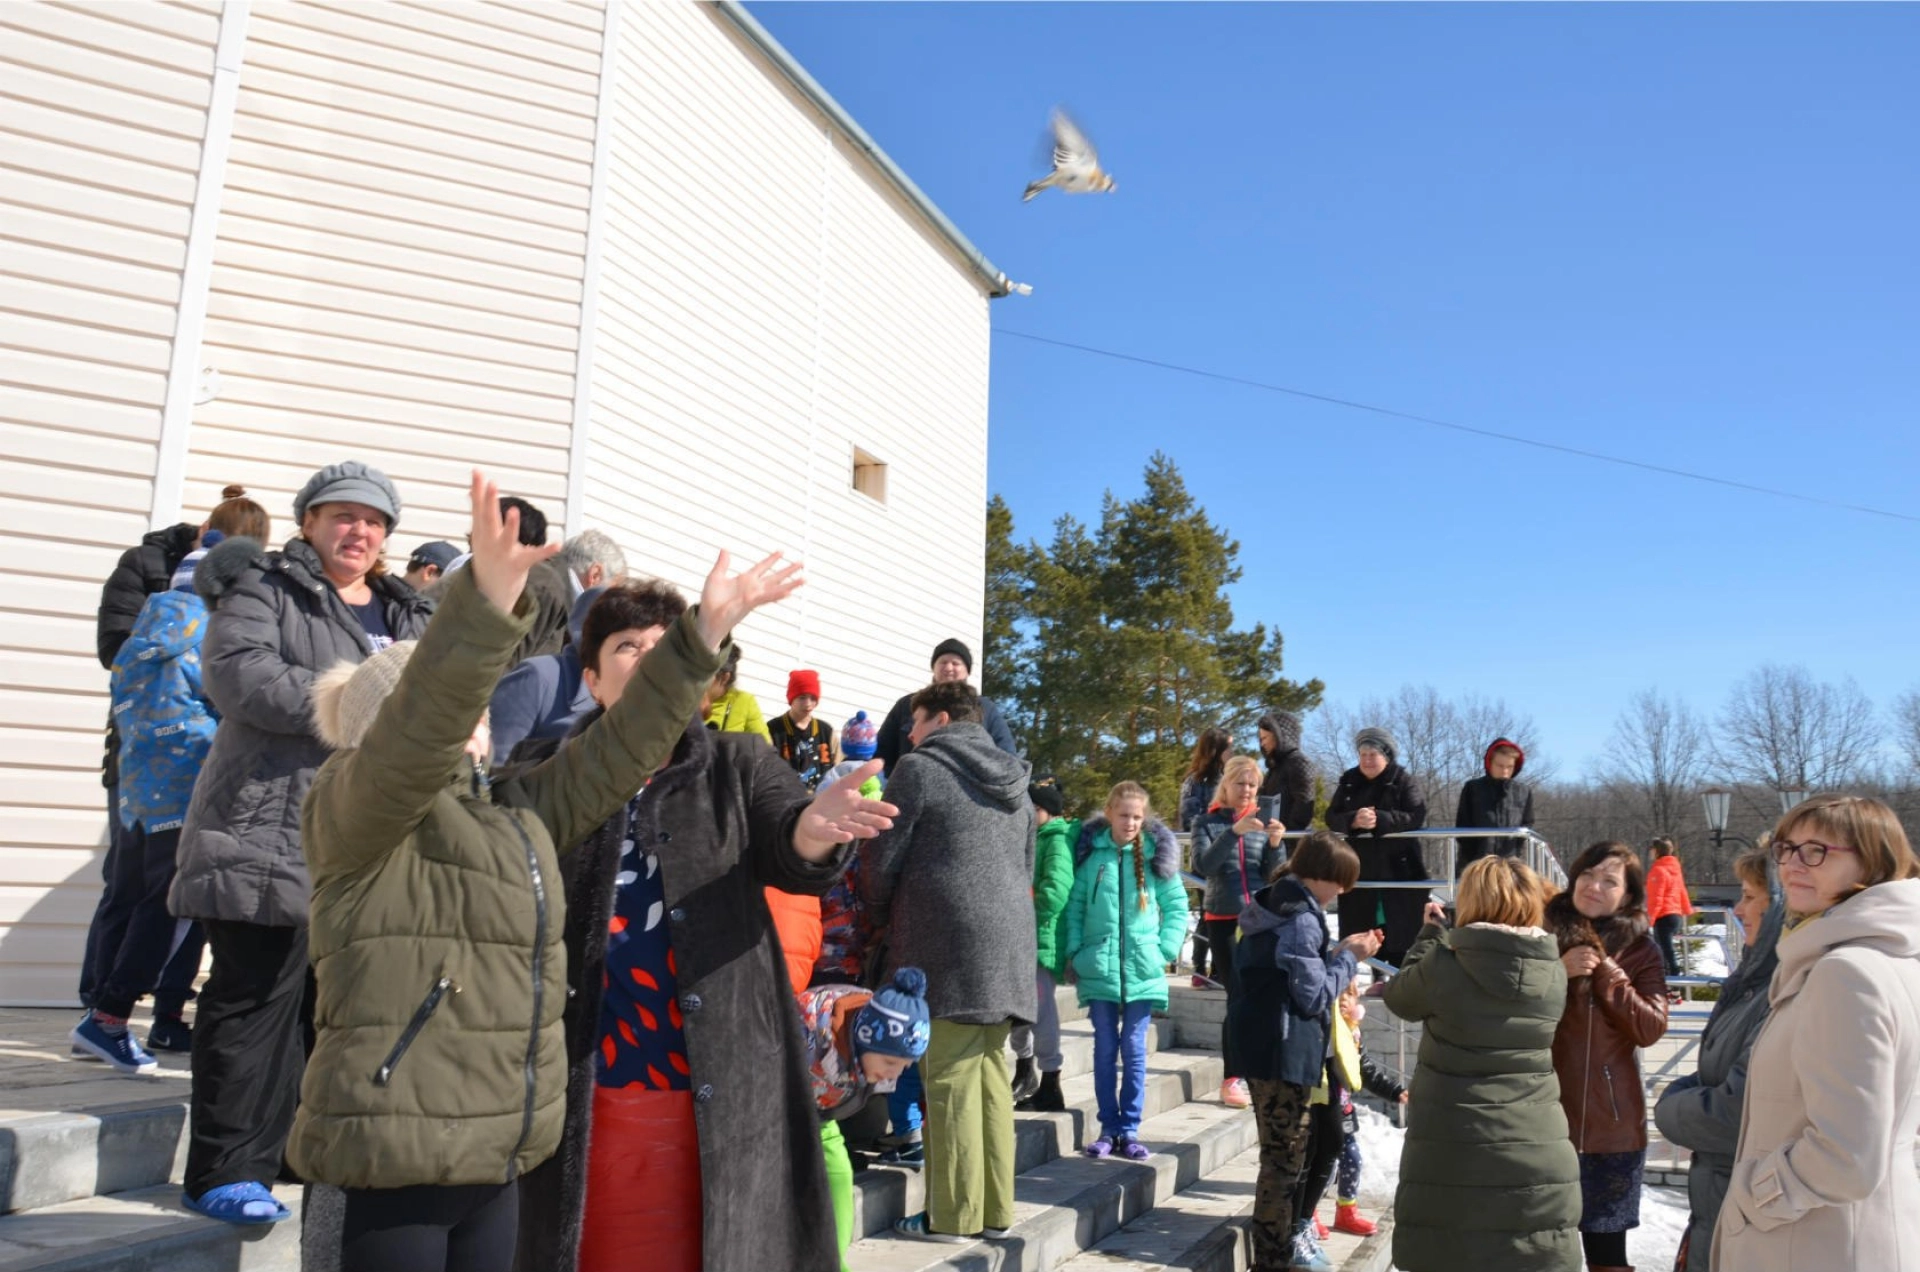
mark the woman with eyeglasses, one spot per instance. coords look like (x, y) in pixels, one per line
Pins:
(1824, 1174)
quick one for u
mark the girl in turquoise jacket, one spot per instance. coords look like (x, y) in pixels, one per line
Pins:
(1125, 921)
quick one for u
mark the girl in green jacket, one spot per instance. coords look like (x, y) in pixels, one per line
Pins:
(1125, 921)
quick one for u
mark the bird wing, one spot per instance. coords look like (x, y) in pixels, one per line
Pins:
(1072, 152)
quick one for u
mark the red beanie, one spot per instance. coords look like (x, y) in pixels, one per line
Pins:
(799, 682)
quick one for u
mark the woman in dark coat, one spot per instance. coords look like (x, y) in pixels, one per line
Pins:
(279, 619)
(1377, 797)
(1488, 1177)
(743, 1179)
(1701, 1112)
(1616, 1004)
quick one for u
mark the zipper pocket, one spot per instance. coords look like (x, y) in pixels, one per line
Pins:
(430, 1004)
(1606, 1074)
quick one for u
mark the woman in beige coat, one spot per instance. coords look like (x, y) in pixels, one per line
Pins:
(1824, 1177)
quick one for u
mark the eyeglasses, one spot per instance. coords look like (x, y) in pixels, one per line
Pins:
(1811, 854)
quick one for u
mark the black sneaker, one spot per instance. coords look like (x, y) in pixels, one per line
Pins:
(170, 1033)
(910, 1156)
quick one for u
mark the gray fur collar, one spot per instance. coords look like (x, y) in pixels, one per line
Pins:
(1166, 849)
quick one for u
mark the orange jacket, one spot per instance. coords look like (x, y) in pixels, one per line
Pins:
(797, 920)
(1667, 890)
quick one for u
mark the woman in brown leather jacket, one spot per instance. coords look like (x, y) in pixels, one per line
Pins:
(1616, 1002)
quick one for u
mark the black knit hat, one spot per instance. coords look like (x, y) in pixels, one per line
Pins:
(1046, 796)
(953, 646)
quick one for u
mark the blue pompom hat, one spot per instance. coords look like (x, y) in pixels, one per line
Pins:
(895, 1021)
(860, 738)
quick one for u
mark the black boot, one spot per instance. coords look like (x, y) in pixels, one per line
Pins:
(1026, 1080)
(1047, 1099)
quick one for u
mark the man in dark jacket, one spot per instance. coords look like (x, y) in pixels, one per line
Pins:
(951, 884)
(1377, 797)
(544, 696)
(952, 661)
(1289, 775)
(1496, 801)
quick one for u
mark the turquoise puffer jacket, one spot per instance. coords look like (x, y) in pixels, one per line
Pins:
(1119, 951)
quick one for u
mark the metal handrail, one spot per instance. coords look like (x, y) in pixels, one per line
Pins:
(1537, 853)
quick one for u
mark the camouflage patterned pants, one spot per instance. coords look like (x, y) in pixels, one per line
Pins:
(1280, 1109)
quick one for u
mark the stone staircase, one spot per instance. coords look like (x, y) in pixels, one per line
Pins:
(90, 1164)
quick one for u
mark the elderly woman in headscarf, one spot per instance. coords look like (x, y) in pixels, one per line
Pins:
(1701, 1112)
(1377, 797)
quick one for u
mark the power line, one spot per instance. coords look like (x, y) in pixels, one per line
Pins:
(1494, 434)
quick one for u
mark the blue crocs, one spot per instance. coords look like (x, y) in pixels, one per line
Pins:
(248, 1203)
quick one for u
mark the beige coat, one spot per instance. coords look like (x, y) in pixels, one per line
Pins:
(1824, 1178)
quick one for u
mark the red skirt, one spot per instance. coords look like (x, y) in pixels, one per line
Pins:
(643, 1183)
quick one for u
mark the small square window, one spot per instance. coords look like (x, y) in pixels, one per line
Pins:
(869, 476)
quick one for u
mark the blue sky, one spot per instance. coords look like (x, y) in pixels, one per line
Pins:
(1683, 234)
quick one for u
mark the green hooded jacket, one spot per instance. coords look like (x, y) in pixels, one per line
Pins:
(1118, 948)
(1052, 887)
(1488, 1175)
(437, 911)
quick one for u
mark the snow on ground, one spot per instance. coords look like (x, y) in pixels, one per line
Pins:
(1663, 1211)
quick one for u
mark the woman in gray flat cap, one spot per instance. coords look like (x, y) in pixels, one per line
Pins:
(278, 619)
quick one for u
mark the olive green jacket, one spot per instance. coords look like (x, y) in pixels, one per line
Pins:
(437, 911)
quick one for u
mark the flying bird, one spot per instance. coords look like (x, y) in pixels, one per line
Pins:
(1076, 164)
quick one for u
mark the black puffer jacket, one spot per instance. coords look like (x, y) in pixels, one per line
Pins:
(1490, 802)
(1289, 775)
(144, 569)
(1396, 799)
(276, 624)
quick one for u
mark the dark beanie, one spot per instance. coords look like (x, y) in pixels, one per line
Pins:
(1045, 795)
(955, 647)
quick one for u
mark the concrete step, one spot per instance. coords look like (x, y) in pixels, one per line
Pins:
(145, 1230)
(1067, 1205)
(884, 1194)
(71, 1129)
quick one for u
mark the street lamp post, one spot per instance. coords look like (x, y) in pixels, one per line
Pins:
(1719, 804)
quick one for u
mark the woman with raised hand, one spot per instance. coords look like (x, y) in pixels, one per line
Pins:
(1824, 1177)
(438, 1075)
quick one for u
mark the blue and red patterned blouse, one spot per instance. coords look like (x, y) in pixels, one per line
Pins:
(642, 1042)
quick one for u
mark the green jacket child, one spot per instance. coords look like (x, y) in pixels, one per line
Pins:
(1117, 947)
(1052, 888)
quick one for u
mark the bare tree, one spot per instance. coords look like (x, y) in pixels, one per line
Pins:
(1658, 755)
(1783, 729)
(1906, 726)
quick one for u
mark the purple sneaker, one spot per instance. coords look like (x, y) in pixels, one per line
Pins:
(1134, 1151)
(1102, 1147)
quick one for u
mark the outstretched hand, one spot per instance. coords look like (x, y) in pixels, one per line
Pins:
(839, 814)
(500, 562)
(728, 598)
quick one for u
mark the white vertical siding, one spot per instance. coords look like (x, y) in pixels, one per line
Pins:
(102, 111)
(398, 274)
(765, 306)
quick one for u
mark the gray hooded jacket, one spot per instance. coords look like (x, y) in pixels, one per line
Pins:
(1702, 1112)
(276, 623)
(952, 881)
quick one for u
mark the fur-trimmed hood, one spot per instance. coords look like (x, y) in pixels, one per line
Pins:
(224, 565)
(1574, 929)
(1166, 849)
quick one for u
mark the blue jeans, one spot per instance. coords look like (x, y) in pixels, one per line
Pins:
(1120, 1058)
(903, 1102)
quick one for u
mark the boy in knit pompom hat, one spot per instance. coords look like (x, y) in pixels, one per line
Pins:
(859, 1043)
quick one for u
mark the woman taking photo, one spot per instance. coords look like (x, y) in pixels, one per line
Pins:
(1824, 1177)
(1233, 850)
(1616, 1002)
(1701, 1112)
(1488, 1177)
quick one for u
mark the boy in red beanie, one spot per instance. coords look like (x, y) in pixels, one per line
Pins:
(804, 742)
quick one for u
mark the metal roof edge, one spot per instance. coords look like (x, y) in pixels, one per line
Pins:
(736, 13)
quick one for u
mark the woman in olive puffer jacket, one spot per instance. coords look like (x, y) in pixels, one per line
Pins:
(439, 1070)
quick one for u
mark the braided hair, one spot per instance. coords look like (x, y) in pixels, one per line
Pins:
(1133, 790)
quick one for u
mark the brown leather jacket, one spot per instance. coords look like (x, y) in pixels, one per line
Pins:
(1622, 1006)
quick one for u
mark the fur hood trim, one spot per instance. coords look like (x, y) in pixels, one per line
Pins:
(1166, 848)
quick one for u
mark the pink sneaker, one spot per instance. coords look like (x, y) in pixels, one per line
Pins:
(1233, 1094)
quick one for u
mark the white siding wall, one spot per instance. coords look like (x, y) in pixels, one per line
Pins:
(102, 110)
(766, 305)
(398, 274)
